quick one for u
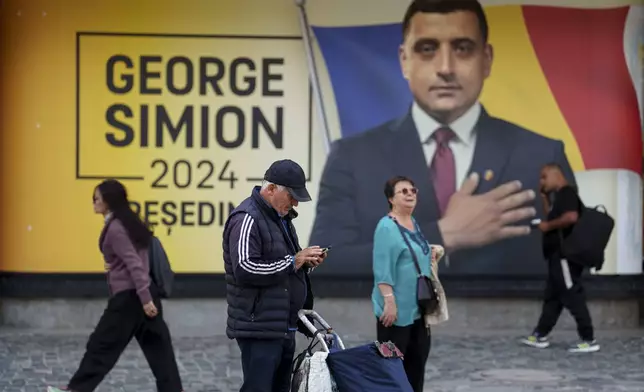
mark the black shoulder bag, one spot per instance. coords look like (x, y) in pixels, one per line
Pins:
(426, 294)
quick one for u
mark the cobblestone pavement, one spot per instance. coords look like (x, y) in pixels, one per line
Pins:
(486, 362)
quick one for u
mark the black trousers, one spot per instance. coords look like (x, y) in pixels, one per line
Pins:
(267, 364)
(415, 342)
(122, 320)
(565, 289)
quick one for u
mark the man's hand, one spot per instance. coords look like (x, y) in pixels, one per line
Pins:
(312, 256)
(544, 227)
(476, 220)
(319, 261)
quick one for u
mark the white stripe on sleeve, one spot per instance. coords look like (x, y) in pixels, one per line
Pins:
(243, 253)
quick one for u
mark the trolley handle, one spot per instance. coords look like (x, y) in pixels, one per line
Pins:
(322, 334)
(303, 313)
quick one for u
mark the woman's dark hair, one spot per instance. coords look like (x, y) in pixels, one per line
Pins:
(114, 196)
(390, 187)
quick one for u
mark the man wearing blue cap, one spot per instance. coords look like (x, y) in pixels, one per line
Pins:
(267, 277)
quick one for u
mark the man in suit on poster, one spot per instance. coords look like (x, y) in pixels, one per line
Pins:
(445, 136)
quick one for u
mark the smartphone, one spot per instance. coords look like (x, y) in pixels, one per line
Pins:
(326, 250)
(535, 223)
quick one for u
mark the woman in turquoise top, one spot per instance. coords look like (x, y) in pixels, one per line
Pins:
(395, 279)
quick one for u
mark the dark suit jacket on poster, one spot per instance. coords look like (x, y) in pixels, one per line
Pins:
(351, 199)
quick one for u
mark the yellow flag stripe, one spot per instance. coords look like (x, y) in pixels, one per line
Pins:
(517, 90)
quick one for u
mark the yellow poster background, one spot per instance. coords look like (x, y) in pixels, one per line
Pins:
(48, 224)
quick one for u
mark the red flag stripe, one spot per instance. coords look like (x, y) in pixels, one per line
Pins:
(581, 52)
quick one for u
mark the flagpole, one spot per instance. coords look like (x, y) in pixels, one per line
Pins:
(313, 73)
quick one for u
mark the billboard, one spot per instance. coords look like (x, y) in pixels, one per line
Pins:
(547, 99)
(187, 117)
(188, 105)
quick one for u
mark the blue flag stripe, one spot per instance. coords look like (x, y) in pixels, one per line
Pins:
(365, 74)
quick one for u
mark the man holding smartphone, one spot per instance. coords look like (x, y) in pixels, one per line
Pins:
(564, 287)
(267, 277)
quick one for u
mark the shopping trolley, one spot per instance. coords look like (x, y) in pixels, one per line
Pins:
(372, 367)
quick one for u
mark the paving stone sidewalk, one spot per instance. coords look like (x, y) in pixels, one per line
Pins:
(485, 362)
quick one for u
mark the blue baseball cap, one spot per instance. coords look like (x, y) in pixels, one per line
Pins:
(290, 175)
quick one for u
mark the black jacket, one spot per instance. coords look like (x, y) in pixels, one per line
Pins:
(264, 291)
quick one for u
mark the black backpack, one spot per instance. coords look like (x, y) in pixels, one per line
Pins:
(588, 238)
(160, 269)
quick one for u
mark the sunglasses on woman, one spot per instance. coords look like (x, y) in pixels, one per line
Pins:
(407, 191)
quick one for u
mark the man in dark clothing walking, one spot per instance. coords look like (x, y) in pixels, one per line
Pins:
(267, 277)
(564, 287)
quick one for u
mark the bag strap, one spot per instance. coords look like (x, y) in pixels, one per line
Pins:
(411, 250)
(297, 361)
(601, 208)
(101, 239)
(580, 210)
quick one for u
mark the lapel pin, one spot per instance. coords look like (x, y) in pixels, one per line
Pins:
(488, 175)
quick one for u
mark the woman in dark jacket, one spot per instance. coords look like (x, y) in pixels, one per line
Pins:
(134, 308)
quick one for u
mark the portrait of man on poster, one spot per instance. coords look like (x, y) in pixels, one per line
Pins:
(446, 135)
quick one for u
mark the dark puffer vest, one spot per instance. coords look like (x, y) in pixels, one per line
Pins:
(264, 291)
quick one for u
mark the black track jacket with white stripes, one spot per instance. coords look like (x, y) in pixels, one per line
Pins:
(264, 291)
